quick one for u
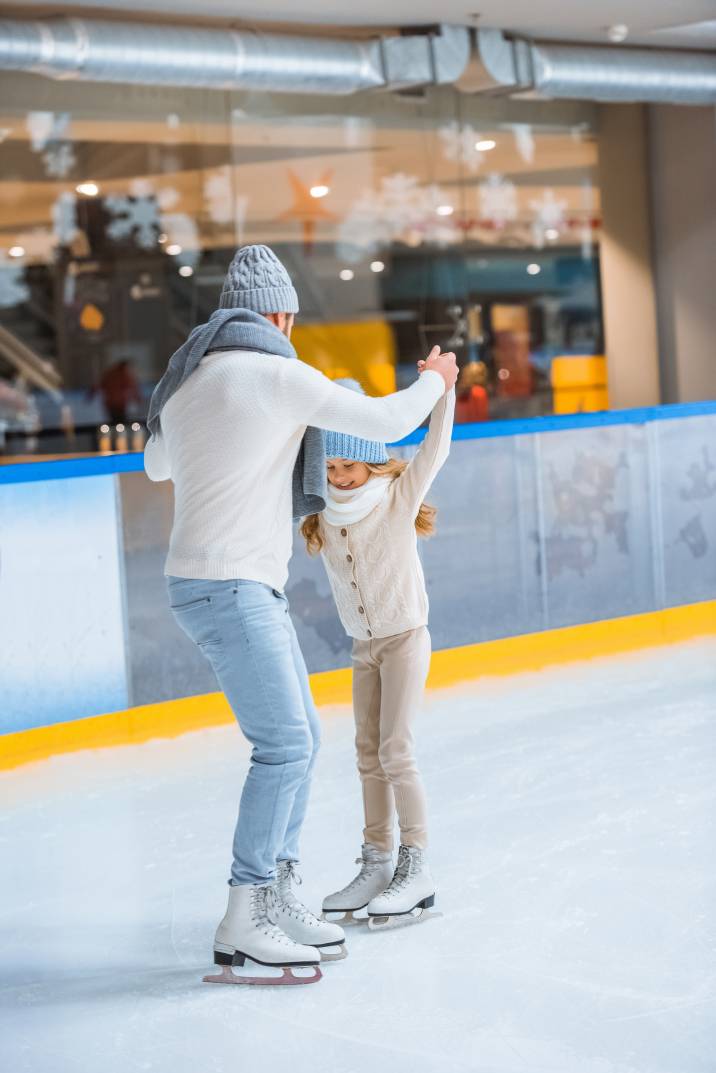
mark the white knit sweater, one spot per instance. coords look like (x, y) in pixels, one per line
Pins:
(373, 565)
(229, 440)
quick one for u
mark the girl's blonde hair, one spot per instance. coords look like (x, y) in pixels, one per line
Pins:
(424, 521)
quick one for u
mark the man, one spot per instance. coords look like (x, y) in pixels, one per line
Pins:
(229, 427)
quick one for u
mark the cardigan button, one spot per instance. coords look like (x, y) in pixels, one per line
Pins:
(353, 585)
(349, 558)
(344, 532)
(361, 610)
(369, 633)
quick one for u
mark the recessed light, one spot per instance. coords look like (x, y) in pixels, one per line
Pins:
(533, 269)
(552, 234)
(17, 251)
(320, 190)
(376, 266)
(485, 145)
(186, 271)
(173, 249)
(89, 189)
(445, 210)
(346, 274)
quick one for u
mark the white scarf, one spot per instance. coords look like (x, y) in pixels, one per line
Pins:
(354, 504)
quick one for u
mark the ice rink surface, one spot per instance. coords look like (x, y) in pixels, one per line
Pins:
(573, 846)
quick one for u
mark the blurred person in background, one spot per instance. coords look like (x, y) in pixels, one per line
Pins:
(120, 391)
(471, 399)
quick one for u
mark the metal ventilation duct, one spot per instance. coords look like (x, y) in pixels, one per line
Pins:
(102, 51)
(596, 73)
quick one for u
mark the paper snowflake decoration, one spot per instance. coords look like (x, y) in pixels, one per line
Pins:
(524, 141)
(458, 144)
(401, 210)
(64, 218)
(219, 195)
(59, 160)
(548, 215)
(181, 230)
(13, 288)
(44, 127)
(134, 217)
(498, 200)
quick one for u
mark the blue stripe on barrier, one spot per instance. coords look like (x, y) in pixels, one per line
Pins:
(132, 462)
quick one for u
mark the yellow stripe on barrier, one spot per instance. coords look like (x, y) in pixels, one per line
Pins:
(509, 655)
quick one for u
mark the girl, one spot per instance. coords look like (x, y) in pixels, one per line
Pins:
(367, 538)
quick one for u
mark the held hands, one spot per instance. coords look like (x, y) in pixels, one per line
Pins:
(445, 364)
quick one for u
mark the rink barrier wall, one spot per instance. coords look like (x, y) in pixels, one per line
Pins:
(332, 689)
(545, 524)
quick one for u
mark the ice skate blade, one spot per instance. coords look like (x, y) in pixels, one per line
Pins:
(400, 920)
(335, 952)
(344, 917)
(287, 977)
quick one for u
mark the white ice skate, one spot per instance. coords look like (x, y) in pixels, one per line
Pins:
(409, 897)
(299, 923)
(375, 873)
(249, 932)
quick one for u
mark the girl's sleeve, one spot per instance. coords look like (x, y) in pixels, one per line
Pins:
(414, 482)
(156, 459)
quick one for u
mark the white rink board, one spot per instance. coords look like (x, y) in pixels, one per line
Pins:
(572, 824)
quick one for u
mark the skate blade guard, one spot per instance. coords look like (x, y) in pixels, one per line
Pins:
(333, 952)
(261, 975)
(390, 921)
(345, 917)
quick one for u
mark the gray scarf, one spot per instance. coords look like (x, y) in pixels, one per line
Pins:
(242, 329)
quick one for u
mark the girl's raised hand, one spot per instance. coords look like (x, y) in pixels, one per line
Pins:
(445, 364)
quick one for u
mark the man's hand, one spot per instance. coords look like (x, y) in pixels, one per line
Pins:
(445, 364)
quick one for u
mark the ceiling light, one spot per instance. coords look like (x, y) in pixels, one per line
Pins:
(552, 234)
(346, 274)
(319, 191)
(533, 269)
(617, 33)
(89, 189)
(17, 251)
(174, 249)
(485, 145)
(186, 271)
(376, 266)
(445, 210)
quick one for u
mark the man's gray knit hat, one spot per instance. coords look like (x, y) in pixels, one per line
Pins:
(257, 280)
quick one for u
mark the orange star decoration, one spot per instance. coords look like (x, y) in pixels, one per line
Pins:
(306, 209)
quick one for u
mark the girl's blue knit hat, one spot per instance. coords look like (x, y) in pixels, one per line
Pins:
(339, 445)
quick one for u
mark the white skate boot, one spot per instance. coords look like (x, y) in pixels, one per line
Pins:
(249, 931)
(375, 874)
(410, 895)
(299, 923)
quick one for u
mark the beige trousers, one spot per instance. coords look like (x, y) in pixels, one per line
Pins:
(388, 683)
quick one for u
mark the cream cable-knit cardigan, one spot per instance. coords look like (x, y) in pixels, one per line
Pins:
(373, 566)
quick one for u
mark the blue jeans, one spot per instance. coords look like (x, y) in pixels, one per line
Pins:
(246, 633)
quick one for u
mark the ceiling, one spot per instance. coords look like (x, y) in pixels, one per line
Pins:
(658, 23)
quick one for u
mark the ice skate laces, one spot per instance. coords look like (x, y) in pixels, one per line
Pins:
(289, 901)
(403, 872)
(368, 866)
(263, 904)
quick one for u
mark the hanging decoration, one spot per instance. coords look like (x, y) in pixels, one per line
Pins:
(459, 142)
(548, 215)
(498, 200)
